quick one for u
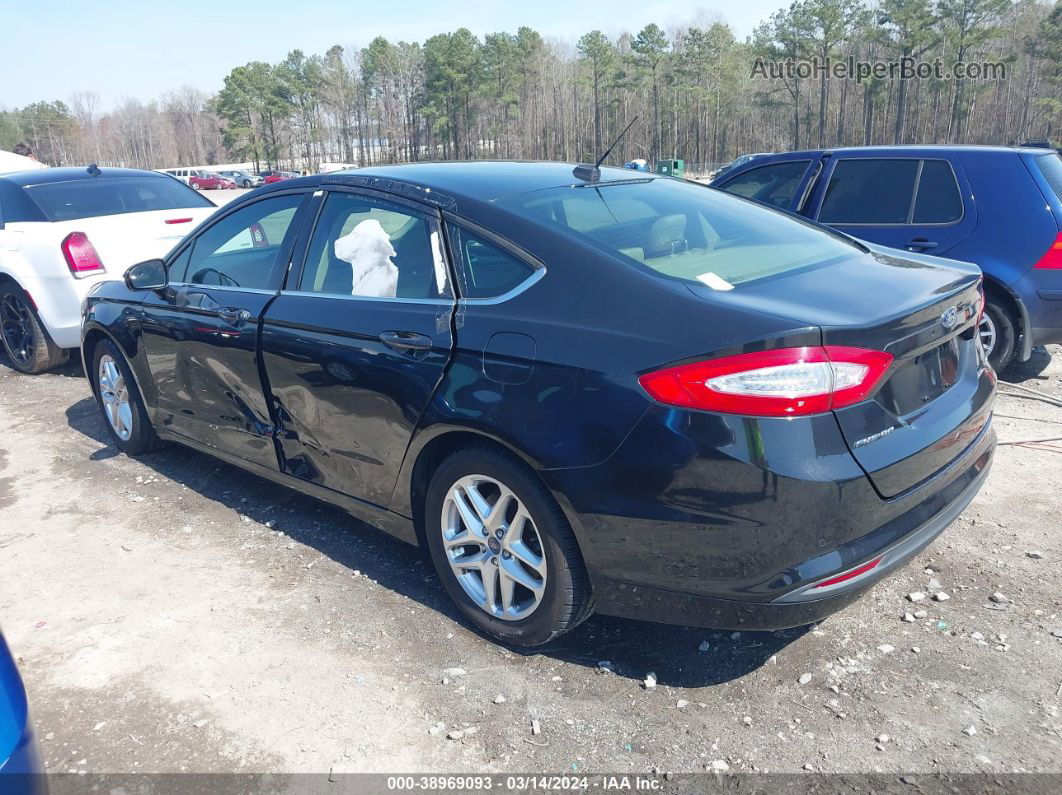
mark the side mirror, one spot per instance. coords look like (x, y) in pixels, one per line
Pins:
(147, 275)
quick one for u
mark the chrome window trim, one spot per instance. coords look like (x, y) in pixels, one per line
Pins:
(375, 298)
(255, 290)
(536, 276)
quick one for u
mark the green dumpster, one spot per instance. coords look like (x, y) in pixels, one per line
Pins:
(673, 168)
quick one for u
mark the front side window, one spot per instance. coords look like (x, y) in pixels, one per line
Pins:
(691, 232)
(486, 270)
(368, 247)
(870, 191)
(774, 184)
(242, 249)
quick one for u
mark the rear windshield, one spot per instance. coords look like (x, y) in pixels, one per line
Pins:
(89, 198)
(684, 231)
(1051, 168)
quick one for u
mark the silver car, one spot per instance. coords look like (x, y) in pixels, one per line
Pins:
(242, 178)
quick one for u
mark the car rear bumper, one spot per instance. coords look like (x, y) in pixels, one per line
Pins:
(756, 565)
(796, 608)
(1040, 293)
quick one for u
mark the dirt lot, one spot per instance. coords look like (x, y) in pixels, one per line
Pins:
(174, 614)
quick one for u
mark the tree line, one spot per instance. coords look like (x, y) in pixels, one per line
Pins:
(519, 95)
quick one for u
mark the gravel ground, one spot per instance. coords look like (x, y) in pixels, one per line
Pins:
(174, 614)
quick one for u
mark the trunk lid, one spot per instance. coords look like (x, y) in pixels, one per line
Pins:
(124, 240)
(937, 395)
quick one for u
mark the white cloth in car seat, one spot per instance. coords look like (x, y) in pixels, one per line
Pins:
(368, 249)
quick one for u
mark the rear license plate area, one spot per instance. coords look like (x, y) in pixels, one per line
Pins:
(923, 378)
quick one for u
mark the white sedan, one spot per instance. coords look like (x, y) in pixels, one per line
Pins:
(62, 230)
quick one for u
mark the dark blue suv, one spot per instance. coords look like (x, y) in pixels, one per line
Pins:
(998, 207)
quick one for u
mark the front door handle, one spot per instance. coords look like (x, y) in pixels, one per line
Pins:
(406, 340)
(234, 316)
(921, 243)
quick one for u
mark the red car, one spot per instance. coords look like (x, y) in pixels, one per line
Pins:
(202, 180)
(269, 177)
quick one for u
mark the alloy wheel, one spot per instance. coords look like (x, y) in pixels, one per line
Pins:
(115, 396)
(17, 326)
(987, 332)
(493, 547)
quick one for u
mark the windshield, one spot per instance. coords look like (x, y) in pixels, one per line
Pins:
(684, 231)
(90, 198)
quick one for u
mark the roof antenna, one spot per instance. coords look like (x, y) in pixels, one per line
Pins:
(593, 173)
(93, 170)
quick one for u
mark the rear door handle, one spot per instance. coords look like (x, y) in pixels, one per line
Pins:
(234, 316)
(921, 243)
(406, 340)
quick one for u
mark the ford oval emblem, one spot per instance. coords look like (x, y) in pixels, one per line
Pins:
(950, 318)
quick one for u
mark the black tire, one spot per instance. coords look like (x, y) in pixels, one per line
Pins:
(142, 437)
(567, 599)
(1006, 333)
(26, 342)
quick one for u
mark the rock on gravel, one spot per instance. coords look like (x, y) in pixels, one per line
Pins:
(941, 596)
(999, 598)
(916, 596)
(804, 679)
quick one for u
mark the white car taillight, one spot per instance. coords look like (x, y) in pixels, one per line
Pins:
(80, 255)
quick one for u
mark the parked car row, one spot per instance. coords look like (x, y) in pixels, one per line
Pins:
(269, 177)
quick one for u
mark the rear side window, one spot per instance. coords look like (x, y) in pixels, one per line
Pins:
(869, 191)
(938, 200)
(90, 198)
(368, 247)
(774, 184)
(693, 233)
(486, 270)
(1051, 168)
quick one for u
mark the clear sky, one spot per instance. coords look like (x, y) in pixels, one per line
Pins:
(123, 48)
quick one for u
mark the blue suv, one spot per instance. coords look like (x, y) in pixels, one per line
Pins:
(998, 207)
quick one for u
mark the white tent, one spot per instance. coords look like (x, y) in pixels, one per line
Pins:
(9, 162)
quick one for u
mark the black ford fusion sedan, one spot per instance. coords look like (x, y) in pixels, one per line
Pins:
(577, 390)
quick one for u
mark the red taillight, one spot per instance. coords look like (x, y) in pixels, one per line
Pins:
(787, 382)
(178, 220)
(1052, 258)
(851, 574)
(80, 254)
